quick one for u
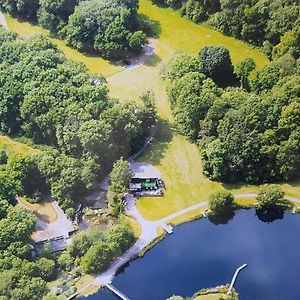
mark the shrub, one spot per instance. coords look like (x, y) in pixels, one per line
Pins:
(220, 202)
(269, 196)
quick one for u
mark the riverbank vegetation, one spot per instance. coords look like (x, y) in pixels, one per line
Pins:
(217, 293)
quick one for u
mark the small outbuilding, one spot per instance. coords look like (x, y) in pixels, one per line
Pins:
(146, 180)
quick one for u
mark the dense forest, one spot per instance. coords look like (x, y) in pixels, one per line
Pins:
(58, 105)
(55, 102)
(108, 27)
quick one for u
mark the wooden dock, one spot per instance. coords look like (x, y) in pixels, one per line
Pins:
(168, 228)
(116, 292)
(235, 277)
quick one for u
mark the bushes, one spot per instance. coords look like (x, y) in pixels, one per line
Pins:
(270, 196)
(216, 62)
(120, 177)
(220, 202)
(3, 157)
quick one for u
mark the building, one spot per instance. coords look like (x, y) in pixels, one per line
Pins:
(146, 181)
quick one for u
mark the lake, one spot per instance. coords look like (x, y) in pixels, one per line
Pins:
(201, 254)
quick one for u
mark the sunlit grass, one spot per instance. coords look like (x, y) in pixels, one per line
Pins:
(10, 146)
(181, 34)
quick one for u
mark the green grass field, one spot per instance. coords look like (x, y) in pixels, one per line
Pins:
(177, 159)
(10, 146)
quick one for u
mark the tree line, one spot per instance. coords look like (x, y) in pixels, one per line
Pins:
(110, 28)
(272, 25)
(248, 133)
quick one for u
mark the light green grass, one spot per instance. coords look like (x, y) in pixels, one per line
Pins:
(181, 34)
(95, 64)
(180, 164)
(12, 146)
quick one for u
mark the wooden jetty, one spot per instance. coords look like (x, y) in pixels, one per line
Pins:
(235, 277)
(168, 228)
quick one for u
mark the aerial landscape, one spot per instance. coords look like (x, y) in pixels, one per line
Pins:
(149, 149)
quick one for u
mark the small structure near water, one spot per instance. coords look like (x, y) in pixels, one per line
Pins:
(146, 180)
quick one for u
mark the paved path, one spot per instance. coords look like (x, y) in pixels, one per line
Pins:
(60, 227)
(149, 232)
(3, 21)
(140, 61)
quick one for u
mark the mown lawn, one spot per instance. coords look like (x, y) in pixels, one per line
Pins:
(95, 64)
(181, 34)
(9, 145)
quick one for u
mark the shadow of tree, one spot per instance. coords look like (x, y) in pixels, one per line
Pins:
(155, 60)
(156, 151)
(223, 218)
(270, 215)
(151, 27)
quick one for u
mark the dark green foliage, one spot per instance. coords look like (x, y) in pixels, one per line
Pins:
(3, 157)
(252, 137)
(190, 93)
(109, 27)
(24, 169)
(243, 70)
(216, 63)
(9, 187)
(269, 196)
(179, 65)
(54, 101)
(195, 10)
(119, 180)
(18, 225)
(259, 22)
(115, 241)
(46, 269)
(220, 202)
(53, 15)
(21, 8)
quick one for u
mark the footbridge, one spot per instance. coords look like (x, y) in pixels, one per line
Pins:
(116, 292)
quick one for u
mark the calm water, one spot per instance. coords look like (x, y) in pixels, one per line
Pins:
(201, 254)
